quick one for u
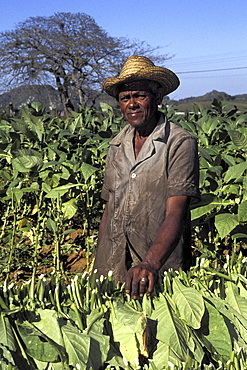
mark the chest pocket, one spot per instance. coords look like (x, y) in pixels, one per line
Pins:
(155, 167)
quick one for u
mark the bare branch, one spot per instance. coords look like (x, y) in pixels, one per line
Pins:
(70, 51)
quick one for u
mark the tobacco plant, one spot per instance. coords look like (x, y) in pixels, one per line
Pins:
(51, 172)
(220, 219)
(192, 321)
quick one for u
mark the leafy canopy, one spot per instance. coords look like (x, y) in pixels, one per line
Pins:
(69, 51)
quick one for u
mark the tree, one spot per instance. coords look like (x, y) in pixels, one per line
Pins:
(69, 51)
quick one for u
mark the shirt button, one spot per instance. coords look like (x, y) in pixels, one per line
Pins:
(133, 175)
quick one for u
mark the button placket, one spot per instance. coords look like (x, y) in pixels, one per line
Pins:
(130, 202)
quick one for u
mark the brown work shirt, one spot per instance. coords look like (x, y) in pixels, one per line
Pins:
(136, 190)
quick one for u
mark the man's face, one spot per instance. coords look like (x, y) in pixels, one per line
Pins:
(138, 104)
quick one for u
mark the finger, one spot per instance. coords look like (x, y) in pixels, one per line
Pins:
(135, 288)
(151, 282)
(128, 281)
(143, 286)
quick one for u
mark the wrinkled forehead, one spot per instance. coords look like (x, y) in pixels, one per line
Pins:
(139, 85)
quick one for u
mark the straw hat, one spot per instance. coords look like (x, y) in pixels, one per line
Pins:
(141, 68)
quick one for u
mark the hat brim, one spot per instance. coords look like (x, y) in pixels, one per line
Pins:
(165, 77)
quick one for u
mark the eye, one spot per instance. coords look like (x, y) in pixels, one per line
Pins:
(124, 98)
(142, 96)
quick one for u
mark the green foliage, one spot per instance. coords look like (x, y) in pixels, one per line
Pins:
(192, 321)
(51, 172)
(219, 220)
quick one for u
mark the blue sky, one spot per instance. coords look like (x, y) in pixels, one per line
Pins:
(200, 35)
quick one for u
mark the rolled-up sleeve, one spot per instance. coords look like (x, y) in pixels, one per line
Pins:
(183, 169)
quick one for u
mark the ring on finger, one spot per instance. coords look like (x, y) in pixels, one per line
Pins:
(144, 279)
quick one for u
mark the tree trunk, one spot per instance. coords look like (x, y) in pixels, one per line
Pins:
(64, 96)
(81, 95)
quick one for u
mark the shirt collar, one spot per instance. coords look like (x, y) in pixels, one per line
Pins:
(128, 131)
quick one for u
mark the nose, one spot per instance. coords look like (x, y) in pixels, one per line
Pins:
(133, 102)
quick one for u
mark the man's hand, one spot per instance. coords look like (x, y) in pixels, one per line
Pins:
(165, 242)
(140, 279)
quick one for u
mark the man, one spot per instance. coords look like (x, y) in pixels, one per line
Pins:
(151, 178)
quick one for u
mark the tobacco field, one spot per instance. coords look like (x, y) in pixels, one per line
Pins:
(53, 315)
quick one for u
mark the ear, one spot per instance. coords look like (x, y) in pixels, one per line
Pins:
(159, 95)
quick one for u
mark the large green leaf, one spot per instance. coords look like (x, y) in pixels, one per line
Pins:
(5, 175)
(81, 352)
(234, 172)
(235, 300)
(25, 163)
(236, 328)
(116, 360)
(201, 211)
(69, 208)
(61, 190)
(16, 193)
(6, 334)
(229, 159)
(20, 126)
(225, 223)
(205, 154)
(160, 357)
(214, 333)
(77, 122)
(38, 345)
(170, 329)
(189, 303)
(100, 343)
(51, 225)
(48, 322)
(87, 170)
(34, 123)
(242, 211)
(209, 125)
(106, 108)
(128, 328)
(238, 138)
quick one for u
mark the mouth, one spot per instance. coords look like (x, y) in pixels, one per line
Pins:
(133, 114)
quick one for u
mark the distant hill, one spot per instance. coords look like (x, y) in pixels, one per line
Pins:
(210, 96)
(49, 98)
(205, 101)
(47, 95)
(26, 94)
